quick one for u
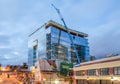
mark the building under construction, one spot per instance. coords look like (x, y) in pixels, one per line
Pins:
(51, 43)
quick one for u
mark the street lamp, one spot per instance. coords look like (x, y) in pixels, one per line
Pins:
(3, 69)
(87, 80)
(113, 78)
(44, 79)
(56, 81)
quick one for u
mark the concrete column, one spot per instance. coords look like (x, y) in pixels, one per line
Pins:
(111, 71)
(98, 72)
(73, 78)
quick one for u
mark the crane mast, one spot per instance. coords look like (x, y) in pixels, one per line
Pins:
(71, 39)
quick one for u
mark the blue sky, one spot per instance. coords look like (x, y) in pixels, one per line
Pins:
(98, 18)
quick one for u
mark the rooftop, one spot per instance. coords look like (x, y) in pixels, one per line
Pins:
(108, 59)
(61, 27)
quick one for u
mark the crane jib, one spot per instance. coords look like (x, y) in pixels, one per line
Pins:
(71, 39)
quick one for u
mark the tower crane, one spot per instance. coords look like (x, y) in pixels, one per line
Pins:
(71, 39)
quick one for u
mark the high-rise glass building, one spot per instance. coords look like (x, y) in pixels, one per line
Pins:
(51, 41)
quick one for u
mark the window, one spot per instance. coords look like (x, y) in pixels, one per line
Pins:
(117, 71)
(34, 51)
(92, 72)
(73, 37)
(80, 73)
(104, 71)
(81, 53)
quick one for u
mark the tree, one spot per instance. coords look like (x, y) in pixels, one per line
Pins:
(64, 68)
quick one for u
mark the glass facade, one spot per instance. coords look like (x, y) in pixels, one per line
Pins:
(37, 46)
(61, 47)
(54, 43)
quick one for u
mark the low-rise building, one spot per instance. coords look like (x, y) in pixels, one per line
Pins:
(101, 71)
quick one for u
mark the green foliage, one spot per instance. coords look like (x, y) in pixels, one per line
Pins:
(64, 72)
(64, 68)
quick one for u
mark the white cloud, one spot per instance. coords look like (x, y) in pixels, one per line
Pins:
(105, 39)
(18, 18)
